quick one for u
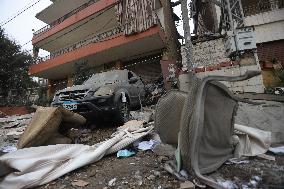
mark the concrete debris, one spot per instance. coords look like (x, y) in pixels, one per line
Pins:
(15, 118)
(138, 177)
(228, 184)
(187, 185)
(14, 135)
(112, 182)
(65, 158)
(48, 126)
(131, 125)
(79, 183)
(154, 91)
(147, 115)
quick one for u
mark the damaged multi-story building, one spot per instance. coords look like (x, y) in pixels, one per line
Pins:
(105, 34)
(232, 36)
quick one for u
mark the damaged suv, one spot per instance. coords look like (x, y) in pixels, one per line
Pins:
(108, 93)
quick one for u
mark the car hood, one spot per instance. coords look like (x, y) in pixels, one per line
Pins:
(91, 87)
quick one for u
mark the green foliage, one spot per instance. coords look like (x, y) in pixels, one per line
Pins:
(14, 78)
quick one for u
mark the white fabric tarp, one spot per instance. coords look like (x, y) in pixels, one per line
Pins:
(36, 166)
(251, 141)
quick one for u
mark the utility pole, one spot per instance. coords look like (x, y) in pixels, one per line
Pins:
(187, 35)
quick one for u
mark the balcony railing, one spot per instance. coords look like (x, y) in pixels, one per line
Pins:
(262, 6)
(92, 39)
(61, 19)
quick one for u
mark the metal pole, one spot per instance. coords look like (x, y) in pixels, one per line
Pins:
(187, 35)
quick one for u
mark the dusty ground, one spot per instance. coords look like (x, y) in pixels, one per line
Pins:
(145, 170)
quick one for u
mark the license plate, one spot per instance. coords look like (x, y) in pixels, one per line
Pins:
(70, 105)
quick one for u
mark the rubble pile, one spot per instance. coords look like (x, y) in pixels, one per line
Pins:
(11, 127)
(148, 163)
(154, 91)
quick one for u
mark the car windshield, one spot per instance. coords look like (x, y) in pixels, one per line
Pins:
(107, 77)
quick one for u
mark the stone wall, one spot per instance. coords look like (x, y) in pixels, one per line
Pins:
(207, 53)
(210, 53)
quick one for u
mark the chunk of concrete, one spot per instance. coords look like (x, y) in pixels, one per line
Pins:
(187, 185)
(45, 125)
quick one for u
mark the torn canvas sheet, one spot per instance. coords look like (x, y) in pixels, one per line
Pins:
(251, 141)
(36, 166)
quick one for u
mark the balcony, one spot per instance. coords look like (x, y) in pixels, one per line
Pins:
(86, 19)
(109, 46)
(63, 18)
(91, 39)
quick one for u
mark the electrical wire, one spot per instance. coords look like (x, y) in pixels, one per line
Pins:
(19, 13)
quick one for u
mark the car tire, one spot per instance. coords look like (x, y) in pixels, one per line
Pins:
(122, 112)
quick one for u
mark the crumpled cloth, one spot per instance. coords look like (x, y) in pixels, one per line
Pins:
(250, 141)
(31, 167)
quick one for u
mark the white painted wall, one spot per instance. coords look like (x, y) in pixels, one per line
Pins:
(269, 26)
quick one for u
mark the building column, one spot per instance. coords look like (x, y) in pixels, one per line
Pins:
(50, 90)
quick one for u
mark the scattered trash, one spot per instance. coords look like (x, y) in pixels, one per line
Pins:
(79, 183)
(254, 181)
(66, 158)
(154, 91)
(277, 150)
(138, 178)
(112, 182)
(228, 184)
(147, 145)
(124, 153)
(187, 185)
(8, 149)
(146, 115)
(184, 173)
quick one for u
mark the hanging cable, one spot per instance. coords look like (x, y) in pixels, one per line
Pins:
(18, 14)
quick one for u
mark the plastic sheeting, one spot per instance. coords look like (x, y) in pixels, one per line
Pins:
(36, 166)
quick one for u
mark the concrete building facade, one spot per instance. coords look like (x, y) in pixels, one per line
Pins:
(106, 34)
(267, 17)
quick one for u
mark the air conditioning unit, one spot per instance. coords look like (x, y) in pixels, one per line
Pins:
(244, 39)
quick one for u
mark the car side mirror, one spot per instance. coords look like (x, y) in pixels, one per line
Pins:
(133, 80)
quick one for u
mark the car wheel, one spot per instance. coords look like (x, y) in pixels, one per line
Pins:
(123, 111)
